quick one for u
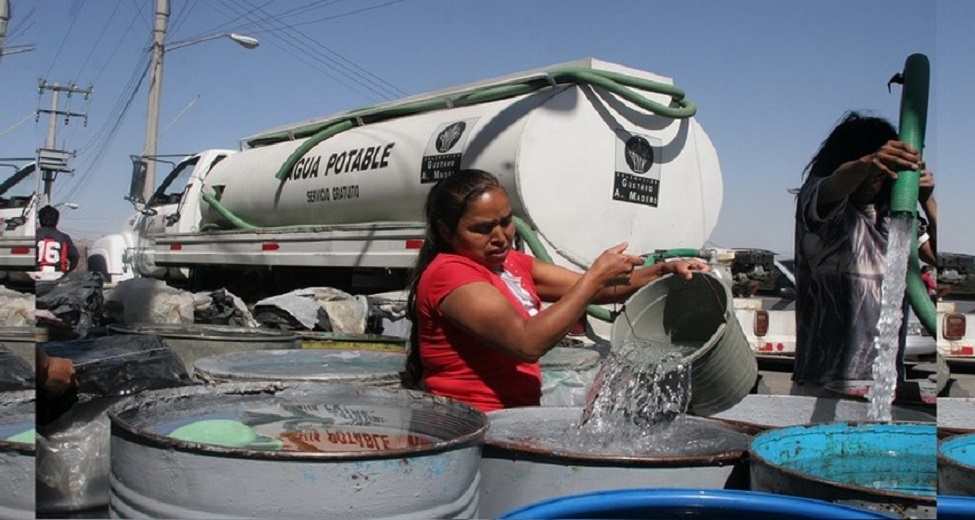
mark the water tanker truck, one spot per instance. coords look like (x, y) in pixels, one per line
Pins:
(591, 153)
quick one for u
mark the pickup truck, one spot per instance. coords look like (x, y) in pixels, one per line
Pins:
(956, 308)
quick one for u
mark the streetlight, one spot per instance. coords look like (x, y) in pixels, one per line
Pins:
(159, 48)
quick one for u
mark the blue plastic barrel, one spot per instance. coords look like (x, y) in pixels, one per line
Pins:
(714, 504)
(955, 508)
(956, 465)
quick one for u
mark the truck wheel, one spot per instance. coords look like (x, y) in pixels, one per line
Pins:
(97, 264)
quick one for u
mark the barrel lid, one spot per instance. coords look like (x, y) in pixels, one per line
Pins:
(304, 365)
(569, 358)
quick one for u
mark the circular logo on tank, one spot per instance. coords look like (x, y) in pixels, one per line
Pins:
(639, 154)
(450, 135)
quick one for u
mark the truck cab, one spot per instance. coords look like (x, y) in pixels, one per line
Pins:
(18, 221)
(174, 207)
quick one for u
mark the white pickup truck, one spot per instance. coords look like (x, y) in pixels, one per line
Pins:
(956, 308)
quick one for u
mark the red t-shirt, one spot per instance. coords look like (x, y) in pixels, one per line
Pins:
(456, 364)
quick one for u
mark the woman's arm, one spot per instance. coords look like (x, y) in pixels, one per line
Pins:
(482, 311)
(553, 281)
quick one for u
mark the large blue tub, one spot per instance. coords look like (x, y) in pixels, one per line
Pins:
(955, 508)
(889, 467)
(714, 504)
(956, 466)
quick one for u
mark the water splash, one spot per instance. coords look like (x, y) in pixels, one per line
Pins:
(881, 393)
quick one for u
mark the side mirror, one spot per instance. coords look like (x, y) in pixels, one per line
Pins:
(787, 293)
(136, 188)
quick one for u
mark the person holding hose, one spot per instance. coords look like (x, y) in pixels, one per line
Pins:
(475, 302)
(841, 233)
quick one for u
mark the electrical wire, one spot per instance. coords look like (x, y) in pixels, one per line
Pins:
(278, 29)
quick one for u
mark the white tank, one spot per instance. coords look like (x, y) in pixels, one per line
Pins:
(586, 168)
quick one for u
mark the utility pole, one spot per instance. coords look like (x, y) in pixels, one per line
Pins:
(155, 93)
(50, 159)
(4, 20)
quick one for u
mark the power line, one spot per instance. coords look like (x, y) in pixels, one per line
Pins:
(275, 27)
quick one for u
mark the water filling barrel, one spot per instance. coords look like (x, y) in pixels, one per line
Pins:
(672, 312)
(956, 415)
(887, 467)
(17, 454)
(567, 375)
(349, 341)
(377, 368)
(303, 450)
(714, 504)
(764, 411)
(956, 465)
(529, 456)
(195, 341)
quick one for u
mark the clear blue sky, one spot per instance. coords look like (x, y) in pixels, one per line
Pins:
(770, 78)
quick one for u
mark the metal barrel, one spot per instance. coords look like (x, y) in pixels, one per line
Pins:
(21, 341)
(697, 311)
(349, 341)
(195, 341)
(956, 415)
(346, 452)
(17, 454)
(765, 411)
(567, 375)
(376, 368)
(951, 507)
(956, 465)
(886, 467)
(517, 468)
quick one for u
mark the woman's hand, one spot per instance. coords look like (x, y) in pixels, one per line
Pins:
(894, 156)
(686, 267)
(613, 267)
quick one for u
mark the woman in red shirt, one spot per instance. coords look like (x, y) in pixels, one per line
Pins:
(475, 303)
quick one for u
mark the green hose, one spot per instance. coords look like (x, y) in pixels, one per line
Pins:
(903, 200)
(618, 84)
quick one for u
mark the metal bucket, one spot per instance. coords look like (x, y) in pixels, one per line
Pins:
(517, 470)
(698, 311)
(956, 415)
(376, 368)
(956, 466)
(567, 375)
(887, 467)
(17, 454)
(346, 341)
(763, 411)
(350, 452)
(192, 342)
(714, 504)
(21, 341)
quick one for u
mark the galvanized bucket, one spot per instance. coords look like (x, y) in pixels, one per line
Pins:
(517, 469)
(376, 368)
(886, 467)
(956, 466)
(17, 454)
(349, 452)
(195, 341)
(698, 311)
(347, 341)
